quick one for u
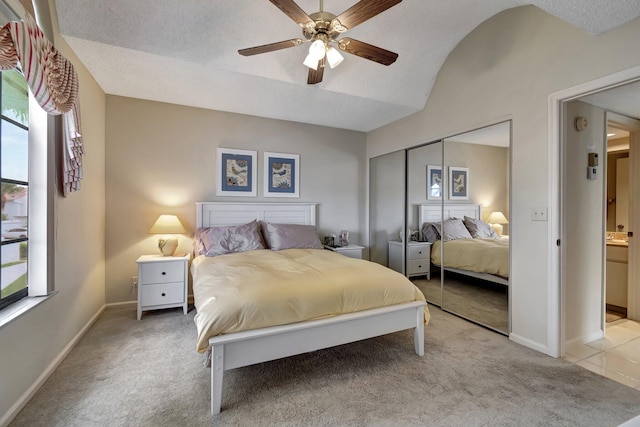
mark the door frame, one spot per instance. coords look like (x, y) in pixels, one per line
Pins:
(555, 227)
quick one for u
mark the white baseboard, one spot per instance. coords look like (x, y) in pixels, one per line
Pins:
(542, 348)
(596, 335)
(121, 304)
(28, 394)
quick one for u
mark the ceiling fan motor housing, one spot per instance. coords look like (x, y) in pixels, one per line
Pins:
(322, 27)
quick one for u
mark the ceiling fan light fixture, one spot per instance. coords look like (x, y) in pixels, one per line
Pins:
(333, 57)
(317, 49)
(311, 62)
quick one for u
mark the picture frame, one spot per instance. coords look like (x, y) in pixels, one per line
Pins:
(435, 183)
(236, 172)
(458, 183)
(281, 175)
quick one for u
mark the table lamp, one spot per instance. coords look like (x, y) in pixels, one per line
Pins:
(496, 219)
(166, 225)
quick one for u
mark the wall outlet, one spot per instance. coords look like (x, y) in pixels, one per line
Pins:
(539, 214)
(134, 281)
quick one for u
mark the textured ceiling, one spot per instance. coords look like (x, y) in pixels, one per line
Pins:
(185, 52)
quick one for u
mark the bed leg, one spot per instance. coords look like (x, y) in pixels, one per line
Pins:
(418, 332)
(217, 372)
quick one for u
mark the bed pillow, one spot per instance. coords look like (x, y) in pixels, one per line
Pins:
(479, 228)
(430, 232)
(452, 229)
(228, 239)
(289, 236)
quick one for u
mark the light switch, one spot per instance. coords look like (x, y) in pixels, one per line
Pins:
(539, 214)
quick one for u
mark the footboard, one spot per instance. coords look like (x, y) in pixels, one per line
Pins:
(261, 345)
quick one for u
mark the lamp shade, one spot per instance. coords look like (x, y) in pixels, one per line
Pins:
(167, 224)
(333, 57)
(497, 218)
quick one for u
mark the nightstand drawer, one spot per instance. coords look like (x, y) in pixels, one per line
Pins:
(161, 272)
(417, 266)
(166, 293)
(418, 251)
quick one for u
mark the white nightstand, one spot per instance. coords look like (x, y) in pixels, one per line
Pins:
(418, 258)
(352, 251)
(162, 282)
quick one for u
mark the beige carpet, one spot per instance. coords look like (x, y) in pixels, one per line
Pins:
(126, 372)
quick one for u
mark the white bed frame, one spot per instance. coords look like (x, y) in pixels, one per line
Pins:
(261, 345)
(437, 213)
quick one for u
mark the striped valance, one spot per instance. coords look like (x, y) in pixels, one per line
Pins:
(53, 82)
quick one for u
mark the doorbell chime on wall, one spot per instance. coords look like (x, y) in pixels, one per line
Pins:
(592, 167)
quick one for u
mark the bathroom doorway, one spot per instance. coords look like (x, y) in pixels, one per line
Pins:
(616, 222)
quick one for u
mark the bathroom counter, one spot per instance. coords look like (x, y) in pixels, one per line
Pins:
(617, 243)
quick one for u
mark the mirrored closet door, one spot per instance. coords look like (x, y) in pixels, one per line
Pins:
(475, 240)
(386, 206)
(439, 213)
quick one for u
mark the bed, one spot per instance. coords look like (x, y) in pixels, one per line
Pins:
(486, 259)
(236, 346)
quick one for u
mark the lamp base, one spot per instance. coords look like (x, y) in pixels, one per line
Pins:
(497, 228)
(168, 245)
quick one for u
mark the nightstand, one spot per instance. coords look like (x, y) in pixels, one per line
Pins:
(418, 258)
(162, 282)
(351, 251)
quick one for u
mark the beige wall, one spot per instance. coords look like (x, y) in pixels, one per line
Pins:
(161, 158)
(507, 68)
(31, 343)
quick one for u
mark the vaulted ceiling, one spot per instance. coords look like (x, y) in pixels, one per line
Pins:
(185, 52)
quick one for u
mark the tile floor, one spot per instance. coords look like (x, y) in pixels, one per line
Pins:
(617, 356)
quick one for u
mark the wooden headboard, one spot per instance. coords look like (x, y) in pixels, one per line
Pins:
(437, 213)
(211, 214)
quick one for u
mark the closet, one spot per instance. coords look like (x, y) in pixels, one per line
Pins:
(462, 175)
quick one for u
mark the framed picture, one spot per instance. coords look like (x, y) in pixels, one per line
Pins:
(281, 175)
(236, 172)
(435, 183)
(458, 183)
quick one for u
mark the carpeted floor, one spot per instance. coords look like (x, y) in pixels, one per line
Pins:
(126, 372)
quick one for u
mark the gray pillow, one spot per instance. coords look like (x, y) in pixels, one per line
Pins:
(288, 236)
(430, 232)
(228, 239)
(452, 229)
(479, 228)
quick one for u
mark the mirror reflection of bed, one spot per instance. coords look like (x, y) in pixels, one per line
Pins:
(470, 271)
(484, 154)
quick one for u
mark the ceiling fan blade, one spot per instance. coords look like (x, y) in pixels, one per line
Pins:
(293, 11)
(315, 76)
(362, 11)
(270, 47)
(367, 51)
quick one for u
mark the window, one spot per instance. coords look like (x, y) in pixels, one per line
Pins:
(14, 179)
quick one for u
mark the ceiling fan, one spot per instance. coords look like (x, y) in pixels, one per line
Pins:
(322, 29)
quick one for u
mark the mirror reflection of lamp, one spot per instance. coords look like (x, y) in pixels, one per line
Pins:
(167, 225)
(496, 219)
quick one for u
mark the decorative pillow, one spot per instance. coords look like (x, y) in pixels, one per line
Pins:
(479, 228)
(288, 236)
(452, 229)
(228, 239)
(430, 232)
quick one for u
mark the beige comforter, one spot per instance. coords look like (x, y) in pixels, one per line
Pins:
(480, 255)
(262, 288)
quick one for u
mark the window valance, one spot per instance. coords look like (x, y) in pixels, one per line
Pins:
(54, 84)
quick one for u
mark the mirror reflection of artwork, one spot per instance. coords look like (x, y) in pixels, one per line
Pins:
(459, 187)
(434, 183)
(236, 172)
(282, 173)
